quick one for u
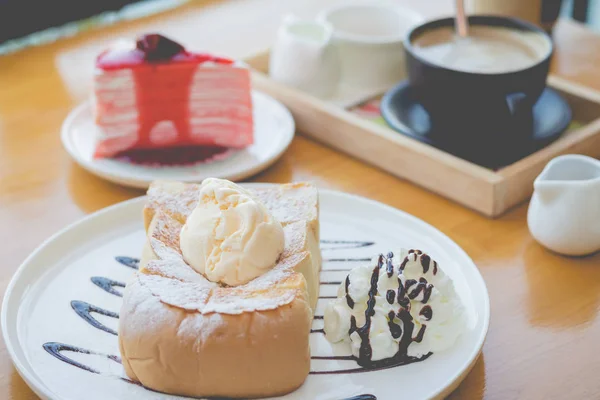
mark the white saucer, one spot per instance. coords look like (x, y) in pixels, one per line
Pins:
(38, 306)
(273, 132)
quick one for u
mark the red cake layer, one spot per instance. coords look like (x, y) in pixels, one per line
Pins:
(158, 96)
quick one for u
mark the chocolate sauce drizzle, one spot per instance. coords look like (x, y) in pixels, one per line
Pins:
(389, 266)
(425, 260)
(362, 397)
(84, 310)
(410, 290)
(403, 301)
(426, 312)
(337, 358)
(390, 296)
(365, 259)
(331, 283)
(348, 298)
(422, 286)
(365, 351)
(419, 337)
(129, 261)
(336, 269)
(56, 349)
(395, 329)
(107, 285)
(344, 244)
(374, 366)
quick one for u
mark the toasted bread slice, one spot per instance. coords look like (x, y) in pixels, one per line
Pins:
(180, 333)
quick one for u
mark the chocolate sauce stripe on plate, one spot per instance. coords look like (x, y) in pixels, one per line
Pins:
(376, 366)
(333, 274)
(130, 262)
(108, 285)
(352, 259)
(56, 349)
(336, 269)
(344, 244)
(330, 282)
(336, 358)
(85, 310)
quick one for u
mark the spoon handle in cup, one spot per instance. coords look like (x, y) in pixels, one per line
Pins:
(462, 25)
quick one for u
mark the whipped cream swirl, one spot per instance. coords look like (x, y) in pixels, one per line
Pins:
(399, 309)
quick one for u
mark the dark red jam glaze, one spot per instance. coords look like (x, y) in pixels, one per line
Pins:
(150, 50)
(172, 156)
(156, 47)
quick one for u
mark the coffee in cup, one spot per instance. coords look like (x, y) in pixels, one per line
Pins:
(478, 92)
(487, 49)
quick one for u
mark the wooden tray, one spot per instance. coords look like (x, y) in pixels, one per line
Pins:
(491, 192)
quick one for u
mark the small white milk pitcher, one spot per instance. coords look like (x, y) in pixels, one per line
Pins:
(304, 57)
(564, 213)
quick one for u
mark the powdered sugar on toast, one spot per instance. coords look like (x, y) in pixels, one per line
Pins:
(168, 277)
(288, 203)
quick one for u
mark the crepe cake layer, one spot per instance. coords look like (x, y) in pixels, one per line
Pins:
(187, 100)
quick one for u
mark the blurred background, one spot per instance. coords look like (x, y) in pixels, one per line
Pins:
(48, 20)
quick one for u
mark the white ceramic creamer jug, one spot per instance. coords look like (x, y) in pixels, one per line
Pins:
(564, 213)
(303, 56)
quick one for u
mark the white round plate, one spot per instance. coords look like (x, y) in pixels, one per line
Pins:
(273, 132)
(38, 305)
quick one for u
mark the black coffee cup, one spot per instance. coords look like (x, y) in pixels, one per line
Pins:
(478, 111)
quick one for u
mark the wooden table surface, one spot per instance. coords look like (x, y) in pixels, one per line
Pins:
(544, 337)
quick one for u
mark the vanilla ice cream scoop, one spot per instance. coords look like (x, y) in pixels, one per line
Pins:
(400, 309)
(230, 237)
